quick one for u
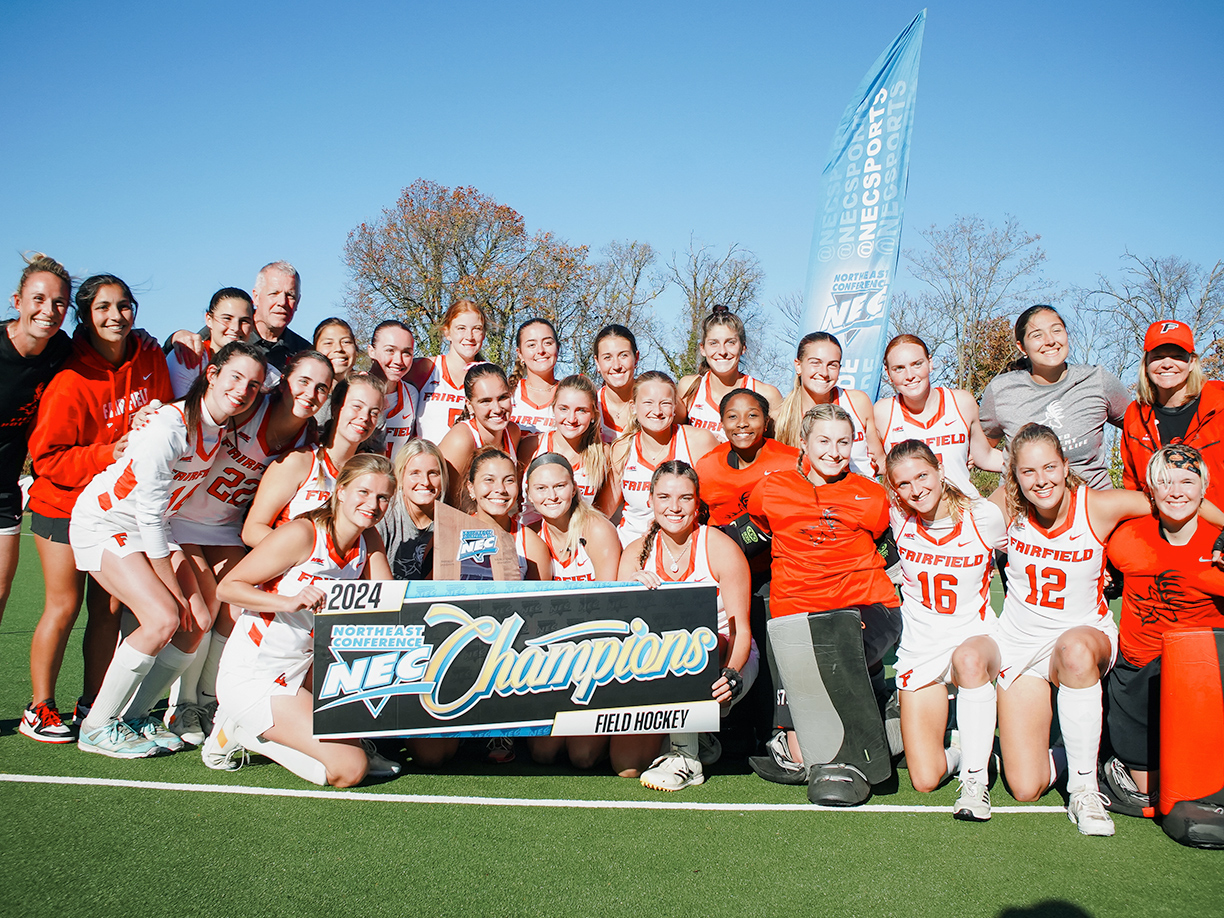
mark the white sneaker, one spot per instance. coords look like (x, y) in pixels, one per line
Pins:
(672, 772)
(380, 766)
(973, 801)
(1087, 810)
(187, 721)
(116, 739)
(221, 751)
(151, 728)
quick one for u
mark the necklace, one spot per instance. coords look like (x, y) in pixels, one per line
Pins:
(673, 559)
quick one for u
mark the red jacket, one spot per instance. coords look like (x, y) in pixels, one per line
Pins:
(84, 411)
(1141, 438)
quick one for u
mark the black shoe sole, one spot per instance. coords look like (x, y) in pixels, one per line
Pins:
(767, 768)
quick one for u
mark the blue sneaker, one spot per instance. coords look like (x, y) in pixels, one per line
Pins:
(116, 739)
(151, 728)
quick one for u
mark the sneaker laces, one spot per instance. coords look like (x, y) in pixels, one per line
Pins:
(48, 714)
(1122, 777)
(779, 748)
(1092, 802)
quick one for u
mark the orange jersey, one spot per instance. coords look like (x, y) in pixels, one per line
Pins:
(1165, 586)
(725, 490)
(824, 553)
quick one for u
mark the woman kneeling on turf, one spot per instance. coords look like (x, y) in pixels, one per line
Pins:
(678, 549)
(946, 542)
(264, 684)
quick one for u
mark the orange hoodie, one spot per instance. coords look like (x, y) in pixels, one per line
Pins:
(84, 411)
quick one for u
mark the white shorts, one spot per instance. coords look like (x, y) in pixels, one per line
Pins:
(11, 530)
(88, 546)
(246, 697)
(189, 532)
(1031, 657)
(931, 661)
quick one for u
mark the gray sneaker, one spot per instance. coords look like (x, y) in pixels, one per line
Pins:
(221, 751)
(186, 720)
(118, 740)
(973, 801)
(380, 766)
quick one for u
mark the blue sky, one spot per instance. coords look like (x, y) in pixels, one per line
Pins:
(181, 146)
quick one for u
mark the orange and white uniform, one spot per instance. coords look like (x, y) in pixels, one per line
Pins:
(704, 414)
(441, 402)
(126, 507)
(608, 427)
(506, 445)
(271, 653)
(579, 567)
(860, 456)
(582, 481)
(400, 419)
(1054, 582)
(530, 417)
(314, 492)
(635, 484)
(946, 432)
(945, 591)
(213, 514)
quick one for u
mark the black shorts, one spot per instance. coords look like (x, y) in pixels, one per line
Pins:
(51, 528)
(1132, 709)
(10, 505)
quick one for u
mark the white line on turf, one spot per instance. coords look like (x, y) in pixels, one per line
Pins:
(501, 801)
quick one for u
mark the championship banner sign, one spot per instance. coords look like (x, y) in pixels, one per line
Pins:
(857, 240)
(421, 658)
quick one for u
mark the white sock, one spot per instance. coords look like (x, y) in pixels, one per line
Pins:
(1079, 712)
(975, 719)
(685, 744)
(952, 760)
(1058, 765)
(184, 689)
(306, 767)
(127, 670)
(168, 666)
(206, 689)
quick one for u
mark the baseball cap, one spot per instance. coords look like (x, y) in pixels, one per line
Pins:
(1169, 331)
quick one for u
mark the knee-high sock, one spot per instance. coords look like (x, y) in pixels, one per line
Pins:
(207, 688)
(127, 670)
(685, 744)
(306, 767)
(1079, 712)
(1058, 765)
(168, 666)
(184, 689)
(976, 712)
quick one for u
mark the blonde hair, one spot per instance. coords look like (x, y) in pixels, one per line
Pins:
(1018, 506)
(591, 446)
(1145, 392)
(580, 512)
(632, 426)
(829, 411)
(361, 464)
(787, 428)
(36, 262)
(419, 446)
(1177, 456)
(958, 500)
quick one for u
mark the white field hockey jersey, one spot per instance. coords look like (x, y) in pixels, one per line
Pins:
(582, 481)
(400, 419)
(230, 485)
(703, 413)
(162, 467)
(314, 491)
(698, 570)
(946, 432)
(1054, 578)
(635, 484)
(608, 427)
(860, 456)
(529, 416)
(440, 403)
(946, 569)
(579, 567)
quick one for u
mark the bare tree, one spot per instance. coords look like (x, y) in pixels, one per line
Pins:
(707, 278)
(1147, 290)
(620, 289)
(974, 273)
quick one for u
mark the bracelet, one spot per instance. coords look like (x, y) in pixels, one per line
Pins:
(734, 681)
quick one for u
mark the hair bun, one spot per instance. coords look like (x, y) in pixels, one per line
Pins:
(720, 309)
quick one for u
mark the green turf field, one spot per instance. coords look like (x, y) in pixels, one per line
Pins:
(159, 846)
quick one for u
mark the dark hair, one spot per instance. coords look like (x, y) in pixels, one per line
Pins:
(614, 331)
(389, 323)
(719, 315)
(520, 369)
(328, 323)
(681, 469)
(485, 455)
(760, 400)
(339, 393)
(88, 292)
(195, 395)
(1022, 323)
(309, 354)
(229, 293)
(480, 371)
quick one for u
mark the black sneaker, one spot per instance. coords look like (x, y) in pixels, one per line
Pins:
(1121, 793)
(778, 766)
(838, 785)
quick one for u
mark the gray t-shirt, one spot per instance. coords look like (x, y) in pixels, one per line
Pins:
(409, 549)
(1076, 408)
